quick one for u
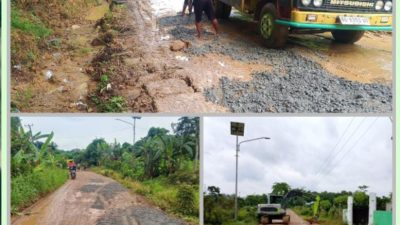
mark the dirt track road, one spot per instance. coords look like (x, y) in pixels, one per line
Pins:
(294, 219)
(92, 199)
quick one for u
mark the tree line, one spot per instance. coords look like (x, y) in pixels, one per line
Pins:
(219, 207)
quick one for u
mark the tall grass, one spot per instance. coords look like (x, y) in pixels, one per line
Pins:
(26, 189)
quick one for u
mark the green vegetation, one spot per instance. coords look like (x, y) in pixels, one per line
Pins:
(219, 208)
(161, 166)
(36, 167)
(29, 24)
(28, 188)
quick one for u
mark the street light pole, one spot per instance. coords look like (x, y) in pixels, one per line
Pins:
(236, 180)
(237, 167)
(133, 126)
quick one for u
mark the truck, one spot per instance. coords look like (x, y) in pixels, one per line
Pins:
(347, 20)
(272, 210)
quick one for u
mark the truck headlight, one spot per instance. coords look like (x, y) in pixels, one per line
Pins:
(388, 6)
(379, 5)
(318, 3)
(306, 2)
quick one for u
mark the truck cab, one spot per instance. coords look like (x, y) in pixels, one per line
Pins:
(347, 20)
(272, 210)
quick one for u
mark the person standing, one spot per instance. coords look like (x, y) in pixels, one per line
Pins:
(207, 7)
(186, 4)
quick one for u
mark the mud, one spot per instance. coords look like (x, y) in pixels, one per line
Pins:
(92, 199)
(301, 80)
(230, 72)
(303, 89)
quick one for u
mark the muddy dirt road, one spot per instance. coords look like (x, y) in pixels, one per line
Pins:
(229, 73)
(294, 219)
(92, 199)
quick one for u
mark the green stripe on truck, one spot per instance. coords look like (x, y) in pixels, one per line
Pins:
(331, 26)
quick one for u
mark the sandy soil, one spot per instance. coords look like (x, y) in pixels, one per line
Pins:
(92, 199)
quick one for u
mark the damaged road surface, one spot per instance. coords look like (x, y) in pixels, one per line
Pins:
(92, 199)
(169, 70)
(146, 58)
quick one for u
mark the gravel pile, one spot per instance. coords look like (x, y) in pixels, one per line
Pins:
(295, 84)
(138, 215)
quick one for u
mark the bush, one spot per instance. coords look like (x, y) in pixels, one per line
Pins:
(185, 200)
(184, 177)
(26, 189)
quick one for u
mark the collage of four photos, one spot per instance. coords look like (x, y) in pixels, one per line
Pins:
(198, 112)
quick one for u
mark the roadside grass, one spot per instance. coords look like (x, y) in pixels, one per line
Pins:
(28, 23)
(27, 189)
(158, 191)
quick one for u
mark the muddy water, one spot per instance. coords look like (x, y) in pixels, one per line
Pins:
(162, 7)
(367, 61)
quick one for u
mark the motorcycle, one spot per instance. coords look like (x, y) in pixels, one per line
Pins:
(72, 174)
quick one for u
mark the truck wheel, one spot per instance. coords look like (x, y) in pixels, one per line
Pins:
(264, 220)
(275, 35)
(222, 10)
(347, 36)
(286, 219)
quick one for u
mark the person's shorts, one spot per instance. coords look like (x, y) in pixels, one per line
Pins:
(187, 2)
(205, 6)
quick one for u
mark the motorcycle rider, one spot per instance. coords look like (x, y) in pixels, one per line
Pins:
(71, 166)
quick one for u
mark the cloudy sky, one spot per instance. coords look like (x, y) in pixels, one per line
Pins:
(331, 154)
(78, 132)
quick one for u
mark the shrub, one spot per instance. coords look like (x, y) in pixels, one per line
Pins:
(28, 188)
(185, 200)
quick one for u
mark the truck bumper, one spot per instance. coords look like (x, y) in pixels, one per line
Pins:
(329, 21)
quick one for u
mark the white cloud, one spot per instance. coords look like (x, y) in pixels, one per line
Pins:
(297, 151)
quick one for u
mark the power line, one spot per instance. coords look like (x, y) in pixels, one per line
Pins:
(343, 146)
(333, 149)
(352, 147)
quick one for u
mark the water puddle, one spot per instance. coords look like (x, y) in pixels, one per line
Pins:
(366, 61)
(162, 7)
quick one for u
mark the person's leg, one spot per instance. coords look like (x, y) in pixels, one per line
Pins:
(215, 25)
(198, 28)
(209, 10)
(185, 4)
(190, 6)
(198, 11)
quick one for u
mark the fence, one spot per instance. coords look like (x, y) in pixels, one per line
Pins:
(382, 218)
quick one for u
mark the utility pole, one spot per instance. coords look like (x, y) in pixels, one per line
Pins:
(133, 126)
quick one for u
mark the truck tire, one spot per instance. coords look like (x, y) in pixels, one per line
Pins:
(347, 36)
(264, 220)
(286, 219)
(274, 35)
(222, 10)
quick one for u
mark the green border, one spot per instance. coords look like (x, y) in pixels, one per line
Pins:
(396, 113)
(4, 112)
(396, 126)
(331, 26)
